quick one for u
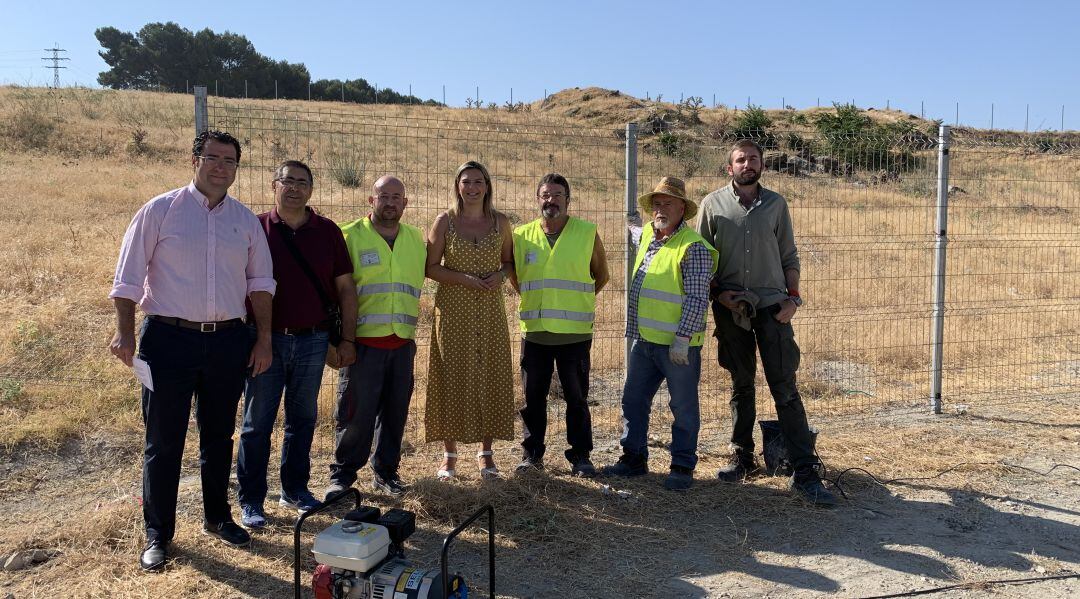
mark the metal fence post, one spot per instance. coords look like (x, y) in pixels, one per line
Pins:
(202, 116)
(631, 210)
(937, 326)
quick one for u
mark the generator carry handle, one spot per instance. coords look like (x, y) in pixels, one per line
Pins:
(322, 507)
(490, 511)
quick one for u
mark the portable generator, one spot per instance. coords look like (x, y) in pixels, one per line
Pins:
(362, 556)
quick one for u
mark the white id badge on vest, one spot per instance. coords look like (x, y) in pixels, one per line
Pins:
(530, 257)
(369, 258)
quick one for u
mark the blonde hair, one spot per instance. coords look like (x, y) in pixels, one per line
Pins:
(459, 204)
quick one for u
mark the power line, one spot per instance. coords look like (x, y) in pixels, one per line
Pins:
(55, 58)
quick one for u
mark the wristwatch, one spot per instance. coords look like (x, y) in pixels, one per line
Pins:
(796, 300)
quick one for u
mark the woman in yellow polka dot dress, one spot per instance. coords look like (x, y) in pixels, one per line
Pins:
(470, 396)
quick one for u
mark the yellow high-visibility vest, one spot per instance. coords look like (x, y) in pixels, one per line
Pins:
(662, 295)
(388, 283)
(558, 292)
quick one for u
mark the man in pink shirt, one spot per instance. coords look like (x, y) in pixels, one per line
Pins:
(189, 259)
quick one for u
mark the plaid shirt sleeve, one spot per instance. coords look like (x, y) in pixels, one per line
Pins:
(696, 273)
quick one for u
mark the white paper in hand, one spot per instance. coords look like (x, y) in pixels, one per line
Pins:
(142, 372)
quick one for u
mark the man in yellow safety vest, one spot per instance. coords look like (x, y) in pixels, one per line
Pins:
(374, 392)
(560, 266)
(669, 294)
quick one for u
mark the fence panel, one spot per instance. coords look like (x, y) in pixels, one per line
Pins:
(1013, 291)
(863, 213)
(349, 150)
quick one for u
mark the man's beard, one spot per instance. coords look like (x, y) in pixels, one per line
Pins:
(747, 178)
(551, 211)
(388, 215)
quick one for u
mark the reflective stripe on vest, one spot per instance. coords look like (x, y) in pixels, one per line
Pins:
(558, 284)
(386, 319)
(558, 292)
(661, 297)
(388, 282)
(559, 314)
(374, 288)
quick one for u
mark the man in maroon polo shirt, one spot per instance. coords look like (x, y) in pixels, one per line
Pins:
(300, 341)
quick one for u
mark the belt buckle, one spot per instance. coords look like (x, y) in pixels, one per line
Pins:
(207, 327)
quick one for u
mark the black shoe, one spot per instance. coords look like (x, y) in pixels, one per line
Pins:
(529, 463)
(229, 532)
(389, 484)
(629, 464)
(806, 484)
(740, 467)
(680, 479)
(153, 557)
(582, 467)
(335, 488)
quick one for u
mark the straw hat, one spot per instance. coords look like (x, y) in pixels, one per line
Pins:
(669, 186)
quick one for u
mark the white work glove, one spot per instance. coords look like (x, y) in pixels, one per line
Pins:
(679, 352)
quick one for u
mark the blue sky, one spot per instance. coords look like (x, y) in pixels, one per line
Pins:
(1018, 56)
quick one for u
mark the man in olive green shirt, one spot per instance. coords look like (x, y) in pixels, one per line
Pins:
(755, 294)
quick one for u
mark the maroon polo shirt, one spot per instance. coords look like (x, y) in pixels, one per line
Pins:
(296, 302)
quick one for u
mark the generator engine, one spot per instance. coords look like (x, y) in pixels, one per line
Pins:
(362, 556)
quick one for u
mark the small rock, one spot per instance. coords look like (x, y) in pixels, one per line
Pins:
(867, 459)
(1010, 503)
(954, 189)
(40, 555)
(1040, 569)
(17, 561)
(960, 409)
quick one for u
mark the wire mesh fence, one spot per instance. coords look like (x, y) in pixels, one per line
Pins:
(863, 208)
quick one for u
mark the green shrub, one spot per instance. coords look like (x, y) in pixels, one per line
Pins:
(668, 143)
(753, 123)
(854, 138)
(347, 169)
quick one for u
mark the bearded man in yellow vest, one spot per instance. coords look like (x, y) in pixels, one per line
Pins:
(560, 266)
(669, 294)
(388, 259)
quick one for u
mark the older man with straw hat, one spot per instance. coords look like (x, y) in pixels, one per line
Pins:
(669, 294)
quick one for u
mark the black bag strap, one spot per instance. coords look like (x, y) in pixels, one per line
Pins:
(287, 237)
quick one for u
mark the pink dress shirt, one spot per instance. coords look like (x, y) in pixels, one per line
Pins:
(179, 258)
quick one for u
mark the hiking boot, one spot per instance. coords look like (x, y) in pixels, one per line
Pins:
(629, 464)
(333, 489)
(739, 467)
(807, 485)
(252, 517)
(303, 502)
(679, 479)
(529, 463)
(390, 484)
(582, 467)
(228, 532)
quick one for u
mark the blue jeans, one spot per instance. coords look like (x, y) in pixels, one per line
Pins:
(649, 366)
(297, 369)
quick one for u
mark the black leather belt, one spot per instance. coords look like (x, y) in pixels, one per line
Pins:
(202, 327)
(298, 332)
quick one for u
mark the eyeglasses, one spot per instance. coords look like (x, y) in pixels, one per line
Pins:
(552, 196)
(229, 163)
(296, 183)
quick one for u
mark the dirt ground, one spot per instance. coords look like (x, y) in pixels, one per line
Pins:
(559, 536)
